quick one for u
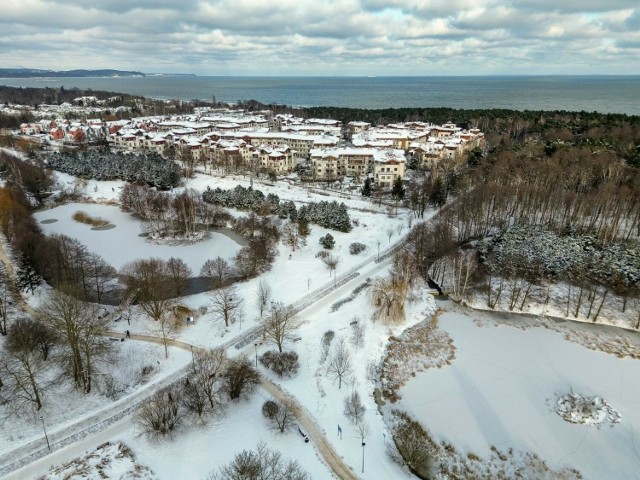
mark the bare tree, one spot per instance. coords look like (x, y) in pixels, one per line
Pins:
(340, 366)
(263, 297)
(217, 269)
(390, 233)
(162, 413)
(226, 305)
(194, 399)
(280, 413)
(83, 334)
(387, 297)
(363, 430)
(258, 465)
(331, 262)
(99, 274)
(179, 273)
(166, 328)
(353, 407)
(240, 378)
(208, 377)
(278, 326)
(23, 369)
(148, 281)
(32, 335)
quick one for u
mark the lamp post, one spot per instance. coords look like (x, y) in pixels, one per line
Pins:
(256, 347)
(363, 444)
(45, 433)
(378, 250)
(193, 359)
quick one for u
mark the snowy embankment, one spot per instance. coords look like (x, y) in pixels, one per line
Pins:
(502, 389)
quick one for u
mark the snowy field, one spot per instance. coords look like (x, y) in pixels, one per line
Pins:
(123, 243)
(502, 388)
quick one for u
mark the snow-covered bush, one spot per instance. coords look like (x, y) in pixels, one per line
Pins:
(327, 241)
(356, 247)
(327, 338)
(285, 363)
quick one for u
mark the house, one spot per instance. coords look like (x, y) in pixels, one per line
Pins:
(388, 166)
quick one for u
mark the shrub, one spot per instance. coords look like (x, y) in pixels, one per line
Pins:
(87, 219)
(285, 363)
(327, 241)
(356, 247)
(415, 448)
(270, 409)
(327, 338)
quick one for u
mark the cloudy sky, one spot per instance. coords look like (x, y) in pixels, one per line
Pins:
(324, 37)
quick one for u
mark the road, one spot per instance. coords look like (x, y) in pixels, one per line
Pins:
(98, 423)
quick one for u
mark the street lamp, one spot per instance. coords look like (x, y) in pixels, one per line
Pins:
(363, 444)
(378, 250)
(256, 347)
(45, 433)
(193, 359)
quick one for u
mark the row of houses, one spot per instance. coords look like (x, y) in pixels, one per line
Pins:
(385, 165)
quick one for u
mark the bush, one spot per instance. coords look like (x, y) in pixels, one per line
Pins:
(162, 414)
(356, 247)
(285, 363)
(270, 409)
(87, 219)
(415, 448)
(327, 241)
(327, 338)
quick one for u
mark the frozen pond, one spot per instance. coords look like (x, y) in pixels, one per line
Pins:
(123, 243)
(501, 390)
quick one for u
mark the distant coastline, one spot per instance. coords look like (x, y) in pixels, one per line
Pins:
(40, 73)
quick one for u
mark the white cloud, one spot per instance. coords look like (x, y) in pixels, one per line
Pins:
(345, 36)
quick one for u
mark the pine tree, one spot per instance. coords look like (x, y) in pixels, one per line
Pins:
(366, 188)
(27, 276)
(397, 191)
(327, 241)
(303, 223)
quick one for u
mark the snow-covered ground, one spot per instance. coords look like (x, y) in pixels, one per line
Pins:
(502, 389)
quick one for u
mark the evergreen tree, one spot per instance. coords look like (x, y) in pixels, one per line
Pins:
(366, 188)
(438, 195)
(327, 241)
(397, 191)
(303, 223)
(28, 277)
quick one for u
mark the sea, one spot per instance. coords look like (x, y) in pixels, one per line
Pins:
(601, 93)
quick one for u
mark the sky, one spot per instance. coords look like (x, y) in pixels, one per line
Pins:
(324, 37)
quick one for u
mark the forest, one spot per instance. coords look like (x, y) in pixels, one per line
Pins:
(547, 216)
